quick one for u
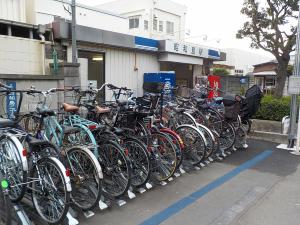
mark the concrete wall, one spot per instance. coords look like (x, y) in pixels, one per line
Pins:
(46, 10)
(40, 83)
(243, 60)
(14, 10)
(20, 55)
(124, 68)
(164, 10)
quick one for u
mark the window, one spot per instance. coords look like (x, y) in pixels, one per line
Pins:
(134, 23)
(161, 26)
(154, 23)
(146, 24)
(170, 27)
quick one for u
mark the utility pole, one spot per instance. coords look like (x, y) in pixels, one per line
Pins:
(74, 44)
(293, 107)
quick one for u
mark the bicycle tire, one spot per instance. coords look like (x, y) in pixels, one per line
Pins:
(111, 165)
(209, 138)
(20, 170)
(158, 150)
(140, 166)
(62, 201)
(194, 142)
(86, 176)
(227, 137)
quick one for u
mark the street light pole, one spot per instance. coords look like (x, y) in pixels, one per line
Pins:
(74, 44)
(293, 107)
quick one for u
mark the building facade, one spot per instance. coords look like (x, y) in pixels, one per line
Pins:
(241, 62)
(157, 19)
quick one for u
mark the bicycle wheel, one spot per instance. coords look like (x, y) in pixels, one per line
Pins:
(140, 161)
(50, 193)
(215, 121)
(86, 177)
(13, 166)
(5, 206)
(194, 144)
(183, 119)
(178, 142)
(209, 138)
(116, 169)
(227, 136)
(163, 155)
(241, 138)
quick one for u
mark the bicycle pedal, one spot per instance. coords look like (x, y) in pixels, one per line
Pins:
(163, 183)
(121, 203)
(170, 179)
(197, 168)
(177, 174)
(102, 205)
(71, 219)
(89, 214)
(202, 165)
(142, 190)
(149, 186)
(182, 171)
(131, 195)
(210, 159)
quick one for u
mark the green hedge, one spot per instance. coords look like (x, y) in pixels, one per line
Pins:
(273, 108)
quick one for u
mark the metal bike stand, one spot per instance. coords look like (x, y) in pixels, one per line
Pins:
(22, 215)
(130, 193)
(102, 204)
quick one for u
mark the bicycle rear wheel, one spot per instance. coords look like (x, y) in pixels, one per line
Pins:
(116, 169)
(163, 155)
(50, 194)
(194, 144)
(140, 161)
(86, 177)
(227, 136)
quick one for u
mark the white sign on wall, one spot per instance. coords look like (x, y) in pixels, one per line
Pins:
(186, 49)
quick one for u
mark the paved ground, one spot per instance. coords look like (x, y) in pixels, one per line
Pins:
(255, 187)
(260, 186)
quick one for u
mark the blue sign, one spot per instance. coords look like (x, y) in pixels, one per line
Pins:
(214, 54)
(146, 43)
(11, 100)
(244, 80)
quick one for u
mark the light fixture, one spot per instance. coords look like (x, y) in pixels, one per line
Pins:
(98, 58)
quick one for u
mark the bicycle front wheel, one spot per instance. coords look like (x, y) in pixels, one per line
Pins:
(164, 156)
(86, 177)
(50, 194)
(13, 166)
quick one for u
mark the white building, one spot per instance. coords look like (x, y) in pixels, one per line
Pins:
(158, 19)
(242, 61)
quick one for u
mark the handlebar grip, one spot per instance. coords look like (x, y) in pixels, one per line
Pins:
(5, 86)
(112, 86)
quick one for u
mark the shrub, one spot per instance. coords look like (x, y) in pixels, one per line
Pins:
(220, 71)
(273, 108)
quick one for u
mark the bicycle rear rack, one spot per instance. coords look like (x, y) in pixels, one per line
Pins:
(16, 132)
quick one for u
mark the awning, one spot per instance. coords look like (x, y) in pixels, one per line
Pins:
(265, 73)
(176, 58)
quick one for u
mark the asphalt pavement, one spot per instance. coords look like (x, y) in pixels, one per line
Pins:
(259, 186)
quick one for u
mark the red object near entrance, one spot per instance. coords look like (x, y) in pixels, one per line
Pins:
(214, 82)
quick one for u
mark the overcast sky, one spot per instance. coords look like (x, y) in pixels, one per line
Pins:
(218, 19)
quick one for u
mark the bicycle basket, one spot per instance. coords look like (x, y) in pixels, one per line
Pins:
(232, 111)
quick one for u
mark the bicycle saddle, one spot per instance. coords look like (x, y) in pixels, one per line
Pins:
(70, 130)
(6, 123)
(34, 142)
(102, 110)
(70, 108)
(200, 101)
(45, 112)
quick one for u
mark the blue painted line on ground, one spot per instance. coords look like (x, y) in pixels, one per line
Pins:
(183, 203)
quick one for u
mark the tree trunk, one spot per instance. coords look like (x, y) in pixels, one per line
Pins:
(281, 77)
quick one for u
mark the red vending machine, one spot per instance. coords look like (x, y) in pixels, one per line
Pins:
(214, 82)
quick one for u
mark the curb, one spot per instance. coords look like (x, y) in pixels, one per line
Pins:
(269, 136)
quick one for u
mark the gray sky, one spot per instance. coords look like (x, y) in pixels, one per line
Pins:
(218, 19)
